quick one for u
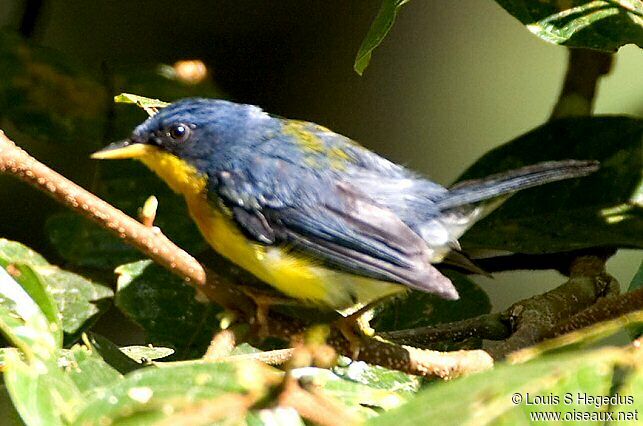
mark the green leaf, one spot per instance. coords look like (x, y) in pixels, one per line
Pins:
(160, 392)
(379, 29)
(79, 300)
(637, 280)
(85, 244)
(111, 353)
(35, 287)
(488, 396)
(23, 322)
(418, 309)
(350, 393)
(140, 101)
(280, 416)
(87, 369)
(142, 354)
(40, 391)
(166, 307)
(377, 377)
(603, 209)
(594, 24)
(10, 416)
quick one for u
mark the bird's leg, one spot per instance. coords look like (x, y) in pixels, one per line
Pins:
(264, 302)
(356, 325)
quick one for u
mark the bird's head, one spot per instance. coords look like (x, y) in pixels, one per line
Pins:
(190, 129)
(190, 138)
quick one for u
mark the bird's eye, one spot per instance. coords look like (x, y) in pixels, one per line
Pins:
(179, 132)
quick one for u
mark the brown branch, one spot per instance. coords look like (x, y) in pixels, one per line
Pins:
(153, 243)
(605, 309)
(534, 318)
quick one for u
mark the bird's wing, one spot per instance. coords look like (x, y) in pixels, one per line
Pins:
(276, 201)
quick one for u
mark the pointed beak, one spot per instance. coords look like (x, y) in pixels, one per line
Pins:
(123, 149)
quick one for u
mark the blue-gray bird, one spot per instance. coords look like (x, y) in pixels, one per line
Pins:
(311, 212)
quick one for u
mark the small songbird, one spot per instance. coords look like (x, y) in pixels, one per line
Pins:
(311, 212)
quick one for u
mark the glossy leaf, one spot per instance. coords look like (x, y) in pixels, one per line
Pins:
(160, 392)
(379, 29)
(488, 396)
(10, 416)
(593, 24)
(87, 369)
(111, 353)
(40, 391)
(418, 309)
(22, 322)
(377, 377)
(140, 101)
(166, 308)
(603, 209)
(142, 354)
(78, 299)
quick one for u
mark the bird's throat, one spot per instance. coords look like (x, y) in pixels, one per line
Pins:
(180, 176)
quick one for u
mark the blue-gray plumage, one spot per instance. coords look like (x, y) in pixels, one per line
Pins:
(306, 197)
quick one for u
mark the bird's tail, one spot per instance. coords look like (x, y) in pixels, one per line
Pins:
(505, 183)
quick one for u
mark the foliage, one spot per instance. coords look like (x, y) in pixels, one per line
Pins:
(58, 371)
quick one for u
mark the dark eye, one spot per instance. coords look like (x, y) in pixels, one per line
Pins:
(179, 132)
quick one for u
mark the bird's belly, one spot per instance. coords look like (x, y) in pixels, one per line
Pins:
(291, 273)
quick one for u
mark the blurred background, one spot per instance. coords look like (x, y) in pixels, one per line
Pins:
(453, 80)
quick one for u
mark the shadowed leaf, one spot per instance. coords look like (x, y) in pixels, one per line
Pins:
(166, 308)
(593, 24)
(604, 209)
(379, 29)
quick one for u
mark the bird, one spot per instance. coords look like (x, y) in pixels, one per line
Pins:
(312, 213)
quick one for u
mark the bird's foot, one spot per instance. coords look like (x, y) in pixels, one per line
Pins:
(263, 303)
(355, 327)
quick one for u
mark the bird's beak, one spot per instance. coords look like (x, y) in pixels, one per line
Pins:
(123, 149)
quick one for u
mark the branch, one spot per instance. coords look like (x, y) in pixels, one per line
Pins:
(217, 288)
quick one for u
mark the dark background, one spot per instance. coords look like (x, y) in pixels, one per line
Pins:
(452, 80)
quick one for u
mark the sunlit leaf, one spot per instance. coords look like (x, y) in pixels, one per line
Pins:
(78, 299)
(593, 24)
(40, 391)
(146, 353)
(156, 393)
(500, 396)
(87, 369)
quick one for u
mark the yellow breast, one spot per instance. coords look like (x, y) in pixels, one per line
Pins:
(291, 273)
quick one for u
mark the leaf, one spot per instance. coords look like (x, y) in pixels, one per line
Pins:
(637, 280)
(161, 392)
(165, 306)
(111, 353)
(418, 309)
(378, 377)
(349, 392)
(35, 287)
(143, 354)
(10, 416)
(79, 300)
(487, 397)
(87, 369)
(22, 321)
(603, 209)
(40, 391)
(140, 101)
(593, 24)
(379, 29)
(280, 416)
(82, 243)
